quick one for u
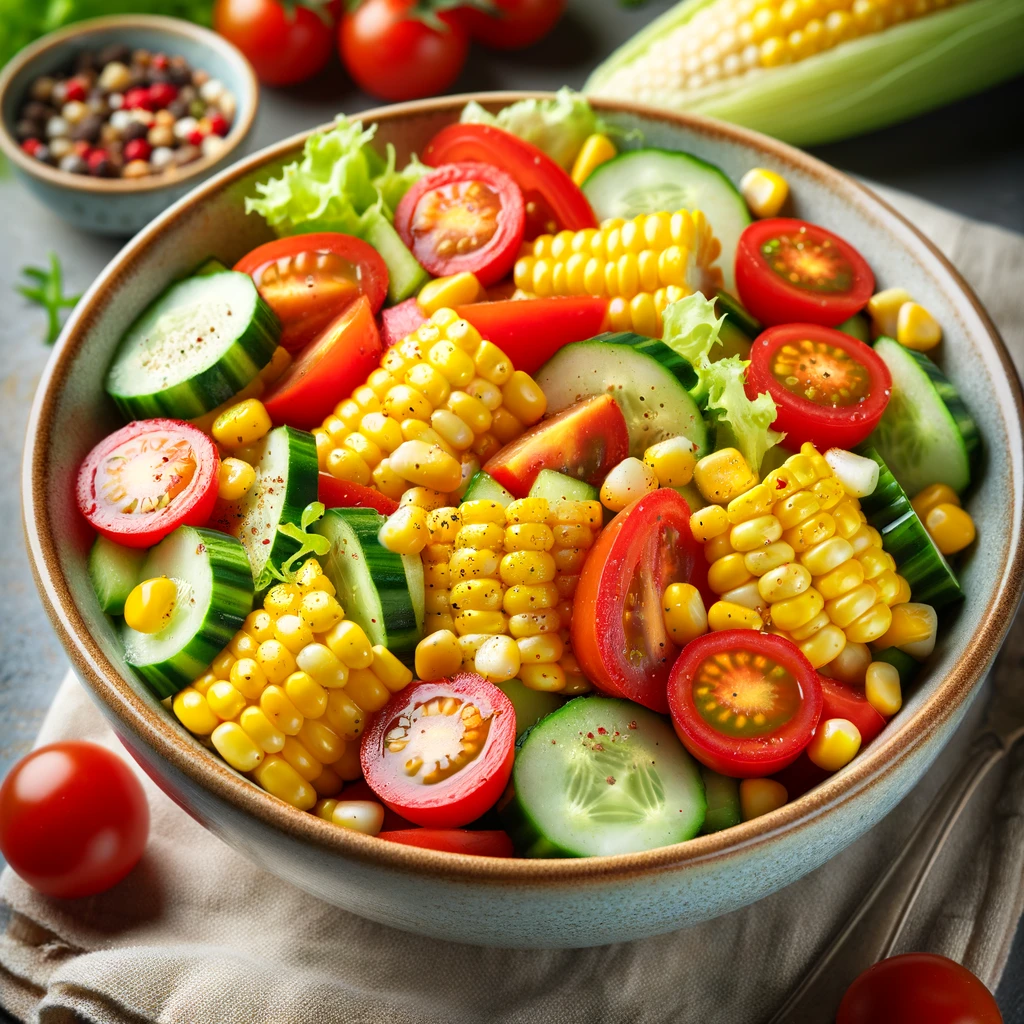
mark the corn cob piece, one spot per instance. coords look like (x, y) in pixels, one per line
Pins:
(287, 700)
(642, 264)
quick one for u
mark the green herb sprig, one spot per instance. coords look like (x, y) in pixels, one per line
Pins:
(309, 544)
(47, 290)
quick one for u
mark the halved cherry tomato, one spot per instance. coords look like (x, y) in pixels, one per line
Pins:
(307, 280)
(485, 843)
(346, 353)
(829, 388)
(335, 493)
(583, 441)
(148, 478)
(531, 332)
(463, 217)
(440, 754)
(553, 200)
(840, 700)
(398, 322)
(744, 703)
(618, 630)
(789, 270)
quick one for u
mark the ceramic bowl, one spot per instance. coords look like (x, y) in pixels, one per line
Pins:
(564, 903)
(120, 206)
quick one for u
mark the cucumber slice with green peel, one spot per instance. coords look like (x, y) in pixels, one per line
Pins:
(652, 180)
(926, 435)
(405, 275)
(557, 486)
(530, 705)
(214, 583)
(483, 487)
(653, 400)
(286, 482)
(736, 315)
(723, 797)
(195, 347)
(209, 266)
(602, 776)
(114, 571)
(918, 560)
(679, 367)
(858, 326)
(380, 590)
(907, 666)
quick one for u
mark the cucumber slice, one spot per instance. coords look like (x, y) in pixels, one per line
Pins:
(926, 435)
(907, 666)
(378, 589)
(530, 705)
(557, 486)
(903, 535)
(214, 582)
(405, 276)
(857, 327)
(195, 347)
(211, 265)
(650, 180)
(483, 486)
(602, 776)
(286, 482)
(653, 400)
(723, 796)
(736, 316)
(114, 571)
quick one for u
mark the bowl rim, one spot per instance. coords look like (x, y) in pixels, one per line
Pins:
(158, 731)
(244, 119)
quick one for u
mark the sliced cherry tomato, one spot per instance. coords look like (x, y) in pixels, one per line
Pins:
(744, 703)
(515, 24)
(485, 843)
(618, 630)
(73, 819)
(440, 754)
(584, 441)
(829, 389)
(398, 322)
(346, 353)
(840, 700)
(790, 270)
(335, 493)
(148, 478)
(553, 200)
(531, 332)
(463, 217)
(307, 280)
(918, 988)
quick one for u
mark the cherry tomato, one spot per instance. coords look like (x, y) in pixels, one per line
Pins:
(308, 280)
(829, 389)
(918, 988)
(618, 630)
(335, 364)
(516, 23)
(440, 754)
(73, 819)
(584, 441)
(841, 700)
(463, 217)
(398, 322)
(284, 46)
(485, 843)
(148, 478)
(393, 54)
(553, 200)
(788, 270)
(335, 493)
(744, 703)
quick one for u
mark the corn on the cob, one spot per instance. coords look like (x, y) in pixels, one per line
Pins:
(642, 264)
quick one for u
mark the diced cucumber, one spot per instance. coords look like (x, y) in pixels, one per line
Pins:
(530, 705)
(602, 776)
(918, 560)
(405, 276)
(651, 180)
(195, 347)
(114, 571)
(557, 486)
(926, 435)
(483, 487)
(212, 265)
(380, 590)
(857, 327)
(907, 666)
(286, 482)
(723, 796)
(653, 400)
(214, 583)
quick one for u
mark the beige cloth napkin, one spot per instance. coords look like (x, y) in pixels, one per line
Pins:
(198, 935)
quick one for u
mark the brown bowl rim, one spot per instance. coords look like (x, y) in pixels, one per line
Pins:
(128, 186)
(152, 726)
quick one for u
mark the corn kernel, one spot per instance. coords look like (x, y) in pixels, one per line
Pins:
(882, 688)
(850, 665)
(446, 292)
(150, 605)
(523, 398)
(431, 384)
(242, 424)
(482, 595)
(761, 796)
(527, 567)
(824, 646)
(934, 494)
(871, 625)
(912, 629)
(548, 678)
(366, 816)
(784, 582)
(323, 665)
(367, 690)
(438, 655)
(625, 483)
(916, 328)
(683, 610)
(723, 475)
(321, 741)
(532, 623)
(276, 660)
(760, 561)
(192, 710)
(389, 670)
(426, 465)
(765, 191)
(308, 696)
(236, 747)
(293, 632)
(261, 730)
(344, 716)
(597, 149)
(405, 531)
(834, 744)
(759, 533)
(725, 615)
(235, 479)
(320, 611)
(795, 612)
(884, 308)
(248, 678)
(348, 641)
(280, 779)
(950, 527)
(727, 573)
(498, 659)
(541, 649)
(672, 460)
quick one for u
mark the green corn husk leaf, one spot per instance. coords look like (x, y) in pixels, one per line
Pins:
(855, 87)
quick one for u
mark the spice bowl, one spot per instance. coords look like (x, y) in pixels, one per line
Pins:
(97, 64)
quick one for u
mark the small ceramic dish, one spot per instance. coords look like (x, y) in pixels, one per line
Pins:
(120, 206)
(566, 903)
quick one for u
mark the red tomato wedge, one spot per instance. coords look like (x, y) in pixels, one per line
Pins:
(335, 493)
(553, 200)
(583, 441)
(829, 389)
(744, 703)
(531, 331)
(440, 754)
(485, 843)
(840, 700)
(346, 353)
(307, 280)
(398, 322)
(463, 217)
(789, 270)
(618, 631)
(148, 478)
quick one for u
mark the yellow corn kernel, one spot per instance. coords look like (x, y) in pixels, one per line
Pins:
(481, 595)
(934, 494)
(308, 696)
(824, 646)
(488, 394)
(473, 621)
(191, 709)
(261, 730)
(283, 599)
(471, 564)
(150, 605)
(280, 779)
(754, 503)
(630, 480)
(527, 567)
(498, 659)
(841, 580)
(344, 716)
(323, 665)
(916, 328)
(453, 363)
(328, 784)
(850, 665)
(426, 465)
(242, 424)
(549, 678)
(248, 678)
(236, 747)
(492, 365)
(381, 430)
(882, 688)
(445, 292)
(683, 610)
(344, 464)
(827, 555)
(348, 641)
(843, 610)
(528, 598)
(765, 191)
(874, 561)
(235, 479)
(913, 625)
(761, 796)
(276, 705)
(727, 573)
(542, 649)
(322, 742)
(759, 533)
(523, 398)
(405, 531)
(531, 623)
(884, 308)
(504, 426)
(949, 526)
(293, 632)
(672, 460)
(387, 481)
(723, 475)
(708, 523)
(347, 766)
(763, 560)
(480, 536)
(784, 582)
(276, 660)
(431, 384)
(367, 690)
(597, 149)
(320, 611)
(834, 744)
(452, 429)
(529, 537)
(795, 612)
(443, 524)
(403, 402)
(438, 655)
(871, 625)
(304, 763)
(389, 670)
(725, 615)
(463, 333)
(367, 400)
(829, 492)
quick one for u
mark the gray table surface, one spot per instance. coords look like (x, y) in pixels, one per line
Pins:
(967, 157)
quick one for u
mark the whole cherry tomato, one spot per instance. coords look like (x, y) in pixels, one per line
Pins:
(515, 24)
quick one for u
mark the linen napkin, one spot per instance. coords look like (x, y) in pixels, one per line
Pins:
(198, 935)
